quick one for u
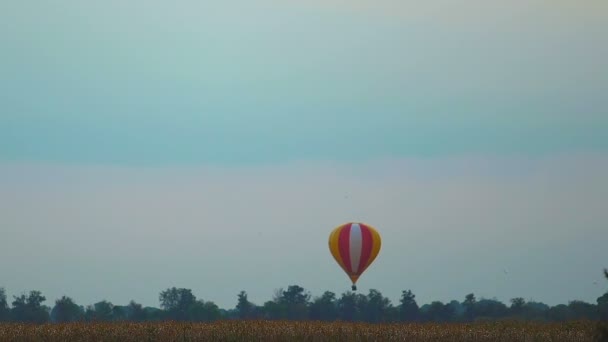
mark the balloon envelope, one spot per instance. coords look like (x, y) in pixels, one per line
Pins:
(354, 246)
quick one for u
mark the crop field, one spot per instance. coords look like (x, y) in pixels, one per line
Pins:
(299, 331)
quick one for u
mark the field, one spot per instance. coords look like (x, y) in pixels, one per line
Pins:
(298, 331)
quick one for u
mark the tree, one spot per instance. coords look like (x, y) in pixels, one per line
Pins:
(469, 307)
(602, 327)
(119, 313)
(274, 309)
(135, 312)
(4, 310)
(490, 308)
(65, 310)
(535, 311)
(176, 302)
(324, 308)
(296, 300)
(361, 304)
(101, 311)
(575, 310)
(517, 306)
(439, 312)
(559, 313)
(602, 306)
(377, 307)
(408, 308)
(454, 310)
(243, 306)
(203, 311)
(434, 311)
(602, 302)
(29, 308)
(582, 310)
(212, 311)
(347, 306)
(153, 314)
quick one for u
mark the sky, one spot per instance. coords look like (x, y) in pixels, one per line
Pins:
(215, 145)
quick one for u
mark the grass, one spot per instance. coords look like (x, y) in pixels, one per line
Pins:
(299, 331)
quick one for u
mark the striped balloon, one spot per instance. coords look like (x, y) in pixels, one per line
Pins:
(354, 246)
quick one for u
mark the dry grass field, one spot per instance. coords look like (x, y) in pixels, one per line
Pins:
(299, 331)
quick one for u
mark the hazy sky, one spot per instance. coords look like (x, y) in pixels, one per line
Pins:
(215, 145)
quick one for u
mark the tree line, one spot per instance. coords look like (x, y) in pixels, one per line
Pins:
(295, 303)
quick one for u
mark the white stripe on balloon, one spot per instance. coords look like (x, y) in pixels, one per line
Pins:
(355, 246)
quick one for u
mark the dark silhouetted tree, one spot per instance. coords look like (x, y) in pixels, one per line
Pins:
(408, 308)
(203, 311)
(517, 306)
(296, 301)
(177, 302)
(582, 310)
(119, 313)
(65, 310)
(559, 313)
(602, 306)
(535, 311)
(361, 304)
(602, 327)
(274, 309)
(324, 308)
(244, 307)
(101, 311)
(490, 309)
(213, 311)
(135, 312)
(439, 312)
(29, 308)
(454, 311)
(347, 306)
(469, 307)
(153, 314)
(377, 307)
(4, 309)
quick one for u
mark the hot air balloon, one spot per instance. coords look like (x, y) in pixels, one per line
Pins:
(354, 246)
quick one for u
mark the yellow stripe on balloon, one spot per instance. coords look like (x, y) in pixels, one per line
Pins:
(376, 244)
(334, 246)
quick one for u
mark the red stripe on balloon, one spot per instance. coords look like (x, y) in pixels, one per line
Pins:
(343, 243)
(366, 247)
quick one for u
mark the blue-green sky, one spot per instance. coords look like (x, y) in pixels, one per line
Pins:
(247, 82)
(117, 109)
